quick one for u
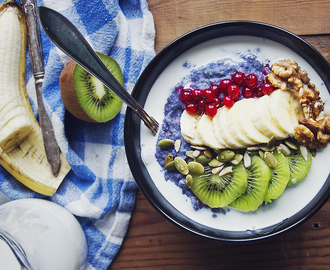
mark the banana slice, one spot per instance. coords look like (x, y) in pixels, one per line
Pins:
(263, 121)
(235, 125)
(188, 125)
(247, 125)
(216, 129)
(225, 131)
(205, 132)
(285, 110)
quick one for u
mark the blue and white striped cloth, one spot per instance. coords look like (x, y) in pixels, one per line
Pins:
(99, 190)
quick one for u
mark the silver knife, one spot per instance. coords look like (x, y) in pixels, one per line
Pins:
(34, 44)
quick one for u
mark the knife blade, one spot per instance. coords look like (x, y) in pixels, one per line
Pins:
(34, 45)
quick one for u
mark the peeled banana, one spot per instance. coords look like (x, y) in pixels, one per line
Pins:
(22, 151)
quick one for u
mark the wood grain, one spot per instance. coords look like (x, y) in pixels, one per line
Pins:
(152, 242)
(176, 17)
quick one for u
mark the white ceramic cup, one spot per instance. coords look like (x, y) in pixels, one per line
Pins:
(49, 234)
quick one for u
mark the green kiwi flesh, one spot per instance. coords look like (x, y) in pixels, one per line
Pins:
(218, 191)
(99, 102)
(299, 167)
(279, 179)
(259, 175)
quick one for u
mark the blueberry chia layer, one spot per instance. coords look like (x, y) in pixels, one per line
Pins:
(199, 77)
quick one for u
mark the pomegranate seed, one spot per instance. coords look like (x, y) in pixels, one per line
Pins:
(228, 101)
(224, 85)
(186, 95)
(267, 88)
(208, 95)
(251, 81)
(247, 92)
(197, 94)
(233, 90)
(211, 109)
(238, 77)
(191, 108)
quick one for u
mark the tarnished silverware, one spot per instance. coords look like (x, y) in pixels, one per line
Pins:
(33, 37)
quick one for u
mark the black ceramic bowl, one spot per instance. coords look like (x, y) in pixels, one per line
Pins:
(156, 83)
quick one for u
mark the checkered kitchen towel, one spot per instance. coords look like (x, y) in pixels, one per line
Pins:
(99, 189)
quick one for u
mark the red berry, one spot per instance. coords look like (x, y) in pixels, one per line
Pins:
(191, 108)
(267, 88)
(228, 101)
(247, 92)
(217, 102)
(238, 77)
(215, 89)
(201, 105)
(197, 94)
(224, 85)
(259, 92)
(251, 81)
(186, 95)
(208, 95)
(211, 109)
(233, 90)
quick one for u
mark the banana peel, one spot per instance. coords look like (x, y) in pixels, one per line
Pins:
(26, 158)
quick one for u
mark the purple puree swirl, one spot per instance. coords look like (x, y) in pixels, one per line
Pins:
(201, 77)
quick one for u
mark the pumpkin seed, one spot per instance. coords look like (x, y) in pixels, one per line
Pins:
(166, 143)
(271, 142)
(203, 160)
(190, 154)
(181, 165)
(170, 166)
(208, 153)
(261, 154)
(284, 149)
(189, 180)
(226, 155)
(237, 159)
(265, 147)
(291, 144)
(226, 170)
(168, 158)
(270, 159)
(215, 163)
(313, 152)
(195, 167)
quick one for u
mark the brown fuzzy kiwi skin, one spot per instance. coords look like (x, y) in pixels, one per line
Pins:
(68, 93)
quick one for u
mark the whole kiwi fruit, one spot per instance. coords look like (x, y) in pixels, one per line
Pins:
(85, 97)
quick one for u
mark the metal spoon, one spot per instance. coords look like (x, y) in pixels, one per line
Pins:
(67, 37)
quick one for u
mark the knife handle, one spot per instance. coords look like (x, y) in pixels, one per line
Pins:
(33, 37)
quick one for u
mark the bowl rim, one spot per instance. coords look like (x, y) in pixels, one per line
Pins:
(146, 80)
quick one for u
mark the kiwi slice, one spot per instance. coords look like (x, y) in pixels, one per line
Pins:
(280, 178)
(218, 191)
(259, 175)
(86, 97)
(299, 167)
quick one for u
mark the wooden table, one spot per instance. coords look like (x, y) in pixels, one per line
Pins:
(152, 242)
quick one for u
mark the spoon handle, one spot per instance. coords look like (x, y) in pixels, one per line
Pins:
(67, 37)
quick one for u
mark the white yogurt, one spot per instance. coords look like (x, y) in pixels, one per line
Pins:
(294, 198)
(49, 234)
